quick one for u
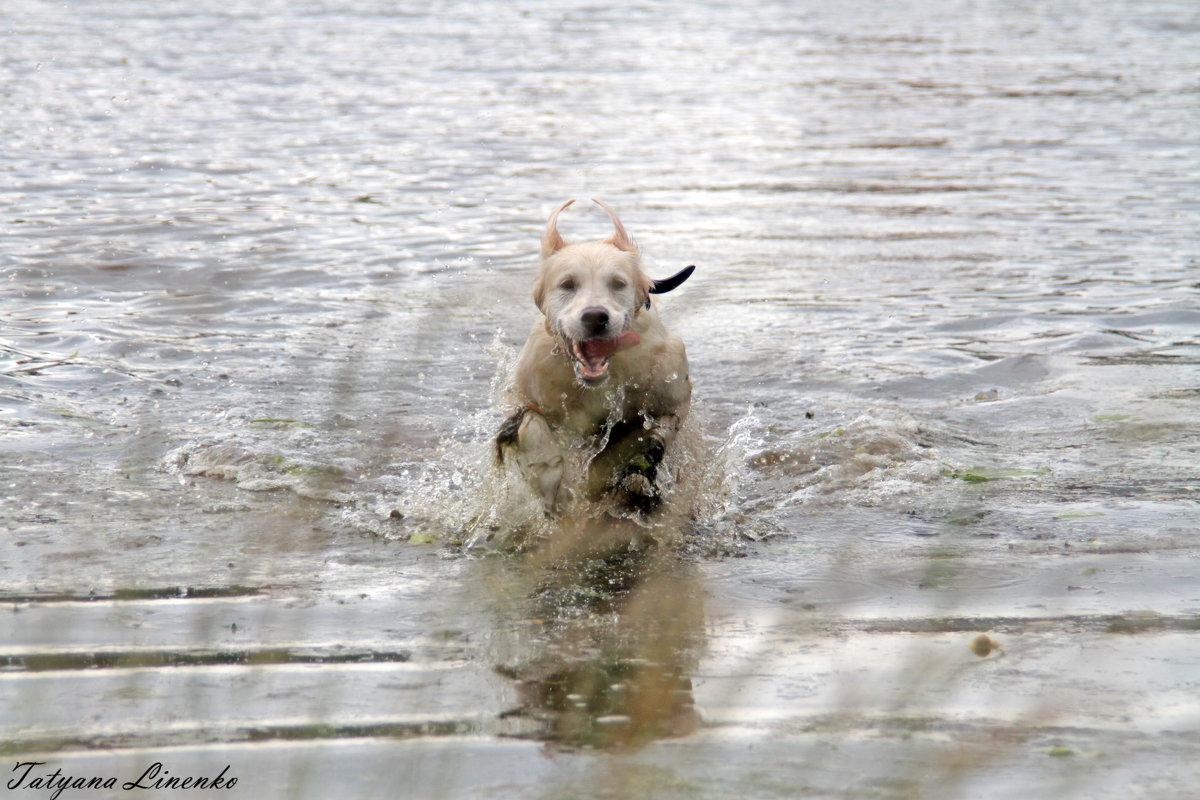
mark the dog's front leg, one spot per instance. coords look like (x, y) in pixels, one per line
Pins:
(642, 470)
(629, 465)
(537, 454)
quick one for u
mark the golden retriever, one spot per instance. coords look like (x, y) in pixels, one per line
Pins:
(599, 372)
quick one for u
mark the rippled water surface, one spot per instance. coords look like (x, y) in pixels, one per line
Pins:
(266, 267)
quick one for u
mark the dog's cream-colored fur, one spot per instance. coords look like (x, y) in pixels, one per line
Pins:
(599, 370)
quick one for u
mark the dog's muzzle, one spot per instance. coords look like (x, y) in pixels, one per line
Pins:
(590, 357)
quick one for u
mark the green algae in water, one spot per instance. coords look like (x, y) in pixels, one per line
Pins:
(1101, 418)
(281, 422)
(986, 474)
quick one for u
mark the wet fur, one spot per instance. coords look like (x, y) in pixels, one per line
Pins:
(633, 414)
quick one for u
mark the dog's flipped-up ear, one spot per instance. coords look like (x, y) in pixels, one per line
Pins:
(620, 239)
(667, 284)
(551, 241)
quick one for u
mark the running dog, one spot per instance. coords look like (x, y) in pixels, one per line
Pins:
(599, 371)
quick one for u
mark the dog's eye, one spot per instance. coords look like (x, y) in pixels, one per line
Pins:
(618, 284)
(567, 285)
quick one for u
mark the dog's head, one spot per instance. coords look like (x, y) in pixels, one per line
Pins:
(591, 293)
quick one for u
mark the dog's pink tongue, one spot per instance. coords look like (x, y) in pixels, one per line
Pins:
(596, 349)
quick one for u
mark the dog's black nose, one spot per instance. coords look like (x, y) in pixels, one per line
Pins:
(594, 321)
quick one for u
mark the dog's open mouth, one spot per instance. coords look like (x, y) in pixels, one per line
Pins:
(591, 356)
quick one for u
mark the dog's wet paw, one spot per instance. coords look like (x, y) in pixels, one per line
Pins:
(638, 484)
(634, 487)
(636, 491)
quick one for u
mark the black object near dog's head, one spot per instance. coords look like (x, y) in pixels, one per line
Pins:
(673, 282)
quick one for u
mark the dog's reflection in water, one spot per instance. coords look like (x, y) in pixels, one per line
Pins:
(617, 626)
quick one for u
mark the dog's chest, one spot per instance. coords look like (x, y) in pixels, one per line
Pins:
(592, 411)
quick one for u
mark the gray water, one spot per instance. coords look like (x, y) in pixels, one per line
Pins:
(266, 266)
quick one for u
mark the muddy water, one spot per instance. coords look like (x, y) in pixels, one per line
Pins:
(266, 265)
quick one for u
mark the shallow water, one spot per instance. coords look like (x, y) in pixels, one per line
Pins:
(266, 267)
